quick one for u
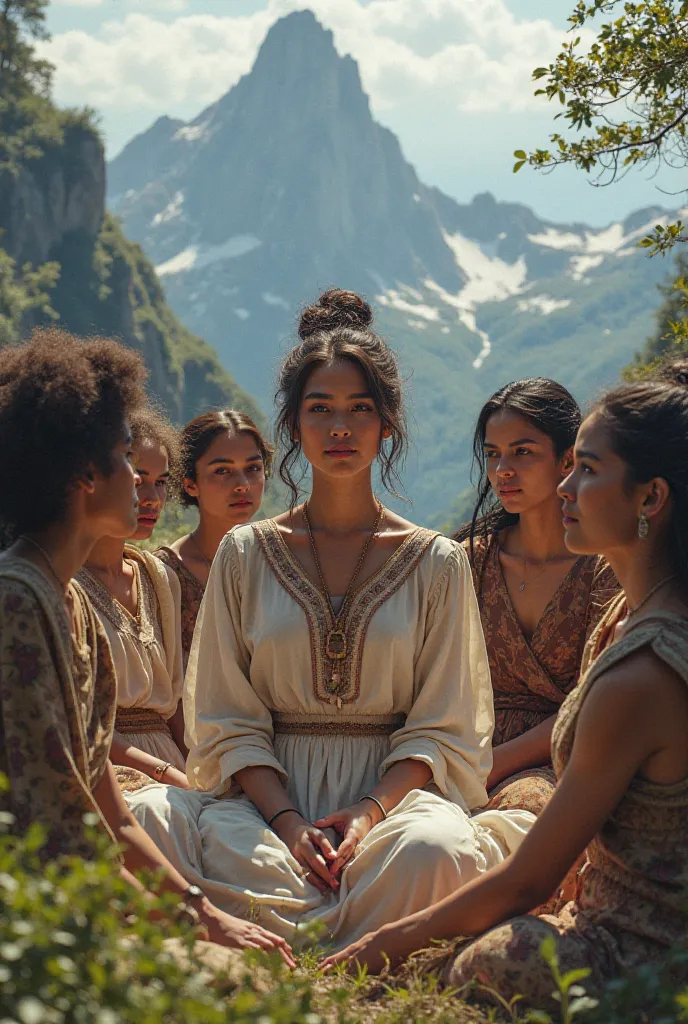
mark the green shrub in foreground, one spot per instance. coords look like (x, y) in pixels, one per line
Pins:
(76, 947)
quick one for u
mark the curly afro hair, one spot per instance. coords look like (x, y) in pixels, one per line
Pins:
(149, 425)
(63, 401)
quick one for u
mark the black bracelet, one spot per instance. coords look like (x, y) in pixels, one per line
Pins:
(369, 796)
(286, 810)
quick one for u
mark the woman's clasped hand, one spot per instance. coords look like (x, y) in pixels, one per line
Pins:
(311, 848)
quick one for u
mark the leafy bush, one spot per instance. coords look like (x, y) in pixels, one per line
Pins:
(77, 947)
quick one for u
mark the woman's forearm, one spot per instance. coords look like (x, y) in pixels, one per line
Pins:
(531, 749)
(399, 780)
(263, 786)
(124, 753)
(478, 906)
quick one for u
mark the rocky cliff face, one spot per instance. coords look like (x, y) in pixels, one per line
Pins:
(53, 209)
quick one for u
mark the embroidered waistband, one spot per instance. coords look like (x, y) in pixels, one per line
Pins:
(134, 720)
(351, 725)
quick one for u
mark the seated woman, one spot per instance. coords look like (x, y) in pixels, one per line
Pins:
(222, 472)
(538, 601)
(138, 600)
(338, 681)
(65, 458)
(619, 744)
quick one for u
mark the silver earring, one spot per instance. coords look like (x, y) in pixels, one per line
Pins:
(643, 526)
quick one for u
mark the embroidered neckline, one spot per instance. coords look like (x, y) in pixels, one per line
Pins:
(142, 626)
(365, 600)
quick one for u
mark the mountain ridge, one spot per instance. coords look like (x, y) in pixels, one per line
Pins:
(286, 185)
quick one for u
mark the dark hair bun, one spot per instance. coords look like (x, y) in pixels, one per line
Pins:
(675, 373)
(334, 310)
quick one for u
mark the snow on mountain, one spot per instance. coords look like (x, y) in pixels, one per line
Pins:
(287, 185)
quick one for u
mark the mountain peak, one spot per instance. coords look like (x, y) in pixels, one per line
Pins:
(299, 52)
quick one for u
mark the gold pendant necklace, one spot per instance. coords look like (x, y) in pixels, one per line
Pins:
(336, 642)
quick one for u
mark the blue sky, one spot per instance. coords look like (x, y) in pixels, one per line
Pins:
(450, 77)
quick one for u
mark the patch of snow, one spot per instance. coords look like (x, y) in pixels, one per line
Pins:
(191, 132)
(501, 236)
(243, 314)
(489, 278)
(196, 257)
(609, 240)
(542, 304)
(418, 325)
(606, 331)
(396, 301)
(416, 197)
(129, 193)
(579, 265)
(274, 300)
(553, 239)
(172, 210)
(446, 330)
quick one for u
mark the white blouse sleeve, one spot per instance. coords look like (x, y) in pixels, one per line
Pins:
(451, 721)
(227, 725)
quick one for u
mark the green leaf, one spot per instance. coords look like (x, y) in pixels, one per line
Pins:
(518, 165)
(520, 154)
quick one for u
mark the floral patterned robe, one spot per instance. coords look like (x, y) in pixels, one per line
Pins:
(57, 707)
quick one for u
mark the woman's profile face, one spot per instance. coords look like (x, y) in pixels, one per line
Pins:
(600, 508)
(339, 426)
(113, 502)
(522, 466)
(230, 479)
(153, 469)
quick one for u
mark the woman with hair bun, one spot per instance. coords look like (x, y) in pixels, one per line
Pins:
(224, 463)
(538, 602)
(337, 698)
(619, 744)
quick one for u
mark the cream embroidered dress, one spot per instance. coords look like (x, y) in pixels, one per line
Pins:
(414, 684)
(146, 650)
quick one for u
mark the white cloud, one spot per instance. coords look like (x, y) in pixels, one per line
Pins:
(467, 55)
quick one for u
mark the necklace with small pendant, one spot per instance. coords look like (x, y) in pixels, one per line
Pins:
(336, 642)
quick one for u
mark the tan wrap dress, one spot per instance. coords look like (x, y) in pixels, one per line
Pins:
(415, 685)
(146, 651)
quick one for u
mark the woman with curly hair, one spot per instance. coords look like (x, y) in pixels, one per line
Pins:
(225, 461)
(138, 601)
(337, 692)
(65, 458)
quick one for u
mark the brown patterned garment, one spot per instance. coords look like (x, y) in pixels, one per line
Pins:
(57, 707)
(630, 905)
(531, 678)
(192, 595)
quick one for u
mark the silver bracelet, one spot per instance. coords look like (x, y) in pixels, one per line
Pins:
(369, 796)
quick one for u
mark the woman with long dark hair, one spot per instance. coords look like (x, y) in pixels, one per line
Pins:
(538, 601)
(337, 698)
(619, 744)
(224, 463)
